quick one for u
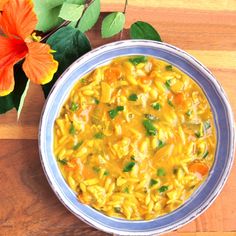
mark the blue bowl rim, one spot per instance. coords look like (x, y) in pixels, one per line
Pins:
(200, 67)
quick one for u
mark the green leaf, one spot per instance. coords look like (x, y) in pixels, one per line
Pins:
(129, 166)
(78, 2)
(47, 15)
(16, 98)
(69, 44)
(6, 103)
(71, 12)
(90, 16)
(143, 30)
(106, 173)
(48, 4)
(137, 60)
(150, 128)
(113, 24)
(22, 100)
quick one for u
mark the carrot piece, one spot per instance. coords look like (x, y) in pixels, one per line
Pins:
(198, 167)
(112, 74)
(146, 80)
(179, 98)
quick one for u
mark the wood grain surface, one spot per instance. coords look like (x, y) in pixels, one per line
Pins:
(28, 207)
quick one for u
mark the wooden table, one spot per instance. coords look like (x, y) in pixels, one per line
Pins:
(28, 206)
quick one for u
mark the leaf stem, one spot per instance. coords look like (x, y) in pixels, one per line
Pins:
(65, 23)
(125, 8)
(126, 4)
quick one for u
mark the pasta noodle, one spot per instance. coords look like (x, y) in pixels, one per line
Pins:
(135, 138)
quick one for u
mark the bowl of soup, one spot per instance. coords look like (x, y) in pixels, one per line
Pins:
(137, 137)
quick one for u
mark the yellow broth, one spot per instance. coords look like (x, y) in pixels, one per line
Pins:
(135, 138)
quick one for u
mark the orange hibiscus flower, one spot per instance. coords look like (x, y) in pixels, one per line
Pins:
(17, 22)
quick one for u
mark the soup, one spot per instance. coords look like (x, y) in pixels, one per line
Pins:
(135, 138)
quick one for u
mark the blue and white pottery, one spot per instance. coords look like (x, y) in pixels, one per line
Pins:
(224, 122)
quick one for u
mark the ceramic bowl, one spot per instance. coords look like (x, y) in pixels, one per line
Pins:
(224, 122)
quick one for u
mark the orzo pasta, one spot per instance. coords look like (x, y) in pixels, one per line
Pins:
(135, 138)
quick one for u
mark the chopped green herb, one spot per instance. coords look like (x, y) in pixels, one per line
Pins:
(106, 173)
(126, 190)
(133, 97)
(77, 145)
(120, 108)
(96, 101)
(168, 83)
(150, 117)
(198, 134)
(153, 182)
(72, 129)
(114, 112)
(156, 106)
(132, 158)
(63, 161)
(129, 166)
(117, 209)
(150, 128)
(96, 169)
(207, 125)
(163, 189)
(161, 172)
(169, 67)
(137, 60)
(205, 155)
(191, 187)
(160, 144)
(189, 113)
(74, 106)
(175, 170)
(83, 80)
(99, 135)
(170, 103)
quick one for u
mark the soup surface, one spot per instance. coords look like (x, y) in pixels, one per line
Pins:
(135, 138)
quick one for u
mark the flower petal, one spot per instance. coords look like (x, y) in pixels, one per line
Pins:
(11, 51)
(39, 65)
(2, 2)
(6, 80)
(18, 18)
